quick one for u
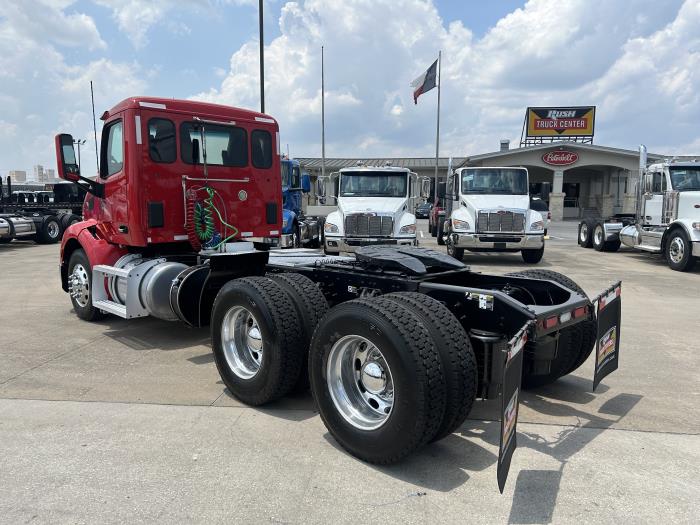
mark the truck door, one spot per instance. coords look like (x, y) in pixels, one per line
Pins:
(114, 209)
(652, 200)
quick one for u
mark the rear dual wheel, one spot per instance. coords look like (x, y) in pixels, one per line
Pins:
(599, 242)
(575, 343)
(390, 374)
(377, 378)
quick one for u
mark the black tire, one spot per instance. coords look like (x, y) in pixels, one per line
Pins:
(431, 229)
(311, 306)
(585, 228)
(456, 352)
(5, 240)
(68, 219)
(49, 231)
(453, 251)
(87, 312)
(282, 346)
(532, 256)
(414, 366)
(440, 231)
(678, 251)
(575, 343)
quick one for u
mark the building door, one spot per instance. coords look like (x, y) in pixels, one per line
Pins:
(572, 194)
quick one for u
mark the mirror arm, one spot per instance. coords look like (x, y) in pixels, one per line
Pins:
(91, 186)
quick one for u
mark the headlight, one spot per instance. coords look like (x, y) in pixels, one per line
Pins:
(329, 227)
(539, 225)
(696, 225)
(409, 228)
(284, 223)
(460, 225)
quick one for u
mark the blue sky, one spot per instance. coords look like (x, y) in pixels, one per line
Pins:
(637, 60)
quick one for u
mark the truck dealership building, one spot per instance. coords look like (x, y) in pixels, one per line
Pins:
(576, 179)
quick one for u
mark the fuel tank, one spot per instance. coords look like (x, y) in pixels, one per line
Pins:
(629, 235)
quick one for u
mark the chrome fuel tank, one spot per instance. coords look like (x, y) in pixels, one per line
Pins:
(629, 235)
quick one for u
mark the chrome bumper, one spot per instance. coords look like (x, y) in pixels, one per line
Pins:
(695, 248)
(498, 241)
(339, 244)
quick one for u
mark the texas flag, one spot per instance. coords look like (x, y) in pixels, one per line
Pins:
(425, 82)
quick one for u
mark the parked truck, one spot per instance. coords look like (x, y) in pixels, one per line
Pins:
(298, 228)
(395, 342)
(666, 219)
(375, 207)
(40, 216)
(488, 210)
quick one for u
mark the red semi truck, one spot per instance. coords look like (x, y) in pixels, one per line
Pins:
(396, 343)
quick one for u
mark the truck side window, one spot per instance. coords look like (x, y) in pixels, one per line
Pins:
(161, 140)
(112, 149)
(261, 146)
(657, 182)
(226, 145)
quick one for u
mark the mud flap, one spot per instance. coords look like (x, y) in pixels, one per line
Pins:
(607, 346)
(510, 393)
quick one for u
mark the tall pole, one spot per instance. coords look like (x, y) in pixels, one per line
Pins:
(262, 57)
(323, 120)
(437, 133)
(94, 126)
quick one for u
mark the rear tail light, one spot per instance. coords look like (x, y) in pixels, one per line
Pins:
(579, 312)
(551, 322)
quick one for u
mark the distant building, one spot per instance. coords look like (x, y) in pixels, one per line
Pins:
(50, 175)
(18, 175)
(39, 173)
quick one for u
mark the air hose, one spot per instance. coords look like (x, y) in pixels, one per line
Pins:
(201, 229)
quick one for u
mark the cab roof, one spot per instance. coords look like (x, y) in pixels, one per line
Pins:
(375, 168)
(190, 107)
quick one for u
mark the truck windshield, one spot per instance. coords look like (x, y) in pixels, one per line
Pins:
(373, 184)
(495, 181)
(685, 179)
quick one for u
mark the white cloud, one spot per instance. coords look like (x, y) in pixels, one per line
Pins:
(637, 61)
(135, 18)
(39, 80)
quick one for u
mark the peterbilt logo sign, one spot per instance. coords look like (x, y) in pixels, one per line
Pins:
(559, 158)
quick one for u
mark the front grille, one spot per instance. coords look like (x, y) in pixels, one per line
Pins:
(500, 221)
(365, 225)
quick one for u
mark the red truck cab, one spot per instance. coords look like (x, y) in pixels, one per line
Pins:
(160, 155)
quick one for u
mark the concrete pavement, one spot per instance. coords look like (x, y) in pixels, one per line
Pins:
(128, 421)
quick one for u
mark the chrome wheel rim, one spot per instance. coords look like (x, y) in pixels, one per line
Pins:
(598, 235)
(79, 285)
(53, 229)
(450, 247)
(583, 234)
(360, 383)
(242, 342)
(676, 250)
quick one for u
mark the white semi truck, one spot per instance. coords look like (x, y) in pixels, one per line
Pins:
(666, 220)
(488, 210)
(375, 206)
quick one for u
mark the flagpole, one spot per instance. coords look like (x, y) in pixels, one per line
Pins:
(437, 133)
(323, 121)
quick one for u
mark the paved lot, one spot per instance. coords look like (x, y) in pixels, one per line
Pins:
(128, 421)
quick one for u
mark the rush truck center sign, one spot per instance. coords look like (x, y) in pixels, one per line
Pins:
(560, 158)
(561, 122)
